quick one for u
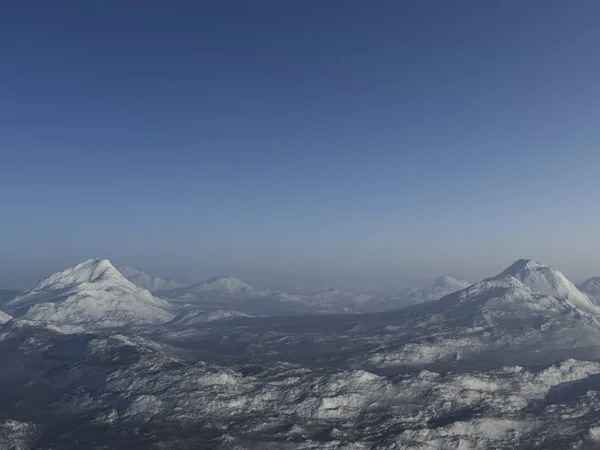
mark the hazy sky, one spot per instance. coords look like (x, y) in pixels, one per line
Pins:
(386, 139)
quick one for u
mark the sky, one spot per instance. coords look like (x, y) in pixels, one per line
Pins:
(332, 141)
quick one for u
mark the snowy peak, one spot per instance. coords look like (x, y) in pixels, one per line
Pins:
(544, 280)
(520, 266)
(224, 285)
(541, 279)
(150, 282)
(88, 296)
(451, 283)
(90, 271)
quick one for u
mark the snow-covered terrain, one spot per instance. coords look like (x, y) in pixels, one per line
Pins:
(4, 317)
(107, 386)
(198, 317)
(512, 361)
(149, 282)
(591, 287)
(91, 295)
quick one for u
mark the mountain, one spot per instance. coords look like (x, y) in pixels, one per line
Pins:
(451, 283)
(548, 281)
(444, 285)
(225, 286)
(217, 290)
(227, 291)
(90, 295)
(591, 287)
(529, 314)
(512, 361)
(151, 283)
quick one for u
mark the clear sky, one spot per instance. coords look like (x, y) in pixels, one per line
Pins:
(386, 139)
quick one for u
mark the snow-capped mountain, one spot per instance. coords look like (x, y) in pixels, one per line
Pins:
(529, 312)
(546, 280)
(444, 285)
(90, 295)
(450, 283)
(151, 283)
(225, 286)
(591, 287)
(528, 307)
(512, 361)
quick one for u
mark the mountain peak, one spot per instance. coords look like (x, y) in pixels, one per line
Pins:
(545, 280)
(520, 266)
(226, 283)
(224, 279)
(223, 286)
(449, 281)
(89, 295)
(88, 271)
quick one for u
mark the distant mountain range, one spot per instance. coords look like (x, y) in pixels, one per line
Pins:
(151, 283)
(227, 291)
(95, 292)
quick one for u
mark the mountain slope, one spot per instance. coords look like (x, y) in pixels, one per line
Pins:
(88, 296)
(591, 287)
(151, 283)
(444, 285)
(4, 317)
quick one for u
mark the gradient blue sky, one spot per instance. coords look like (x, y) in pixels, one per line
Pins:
(324, 139)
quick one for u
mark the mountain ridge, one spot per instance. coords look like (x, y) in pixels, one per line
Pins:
(152, 283)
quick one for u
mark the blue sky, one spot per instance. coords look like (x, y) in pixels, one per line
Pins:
(384, 139)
